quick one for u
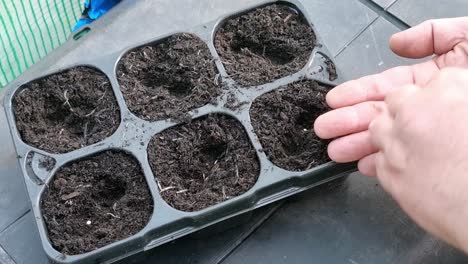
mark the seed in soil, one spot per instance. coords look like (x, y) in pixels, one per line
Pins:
(169, 78)
(203, 163)
(66, 111)
(96, 201)
(265, 44)
(283, 120)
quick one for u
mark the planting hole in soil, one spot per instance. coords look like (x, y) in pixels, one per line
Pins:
(203, 163)
(265, 44)
(169, 78)
(283, 121)
(96, 201)
(66, 111)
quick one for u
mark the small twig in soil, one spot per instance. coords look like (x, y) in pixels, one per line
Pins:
(227, 63)
(67, 101)
(224, 193)
(216, 79)
(70, 196)
(182, 191)
(85, 131)
(92, 112)
(115, 216)
(237, 174)
(213, 170)
(311, 164)
(84, 186)
(287, 18)
(60, 133)
(114, 206)
(167, 189)
(159, 185)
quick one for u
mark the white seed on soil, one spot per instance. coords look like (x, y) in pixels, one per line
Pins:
(88, 222)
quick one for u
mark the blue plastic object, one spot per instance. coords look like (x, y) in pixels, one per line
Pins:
(93, 9)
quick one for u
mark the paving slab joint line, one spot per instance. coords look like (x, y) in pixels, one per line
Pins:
(250, 232)
(382, 12)
(4, 257)
(12, 223)
(355, 37)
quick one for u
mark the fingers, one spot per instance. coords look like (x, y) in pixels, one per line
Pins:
(431, 37)
(376, 87)
(347, 120)
(351, 148)
(380, 130)
(367, 165)
(396, 99)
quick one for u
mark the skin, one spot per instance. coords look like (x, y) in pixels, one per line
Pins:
(408, 126)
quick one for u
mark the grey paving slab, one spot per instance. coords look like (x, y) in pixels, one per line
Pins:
(21, 241)
(202, 247)
(370, 53)
(354, 221)
(339, 23)
(414, 12)
(384, 3)
(13, 199)
(5, 258)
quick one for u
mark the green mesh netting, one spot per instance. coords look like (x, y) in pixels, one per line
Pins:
(30, 29)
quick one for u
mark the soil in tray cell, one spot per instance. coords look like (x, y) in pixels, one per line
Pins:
(67, 110)
(169, 78)
(96, 201)
(265, 44)
(283, 120)
(203, 163)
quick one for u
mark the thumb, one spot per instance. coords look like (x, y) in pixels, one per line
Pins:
(431, 37)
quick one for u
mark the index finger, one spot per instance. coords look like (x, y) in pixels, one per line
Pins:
(376, 87)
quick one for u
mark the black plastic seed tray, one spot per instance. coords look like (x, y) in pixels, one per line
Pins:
(48, 166)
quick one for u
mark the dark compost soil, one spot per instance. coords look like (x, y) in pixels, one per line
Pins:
(169, 78)
(66, 111)
(96, 201)
(203, 163)
(265, 44)
(283, 121)
(331, 69)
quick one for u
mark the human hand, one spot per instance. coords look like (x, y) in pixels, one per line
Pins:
(356, 103)
(422, 138)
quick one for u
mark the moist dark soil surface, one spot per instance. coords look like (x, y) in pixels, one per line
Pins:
(203, 163)
(265, 44)
(283, 120)
(96, 201)
(169, 78)
(67, 110)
